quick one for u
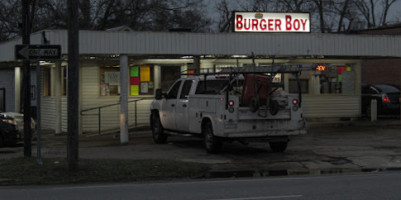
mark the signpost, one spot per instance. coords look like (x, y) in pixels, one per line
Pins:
(37, 52)
(28, 52)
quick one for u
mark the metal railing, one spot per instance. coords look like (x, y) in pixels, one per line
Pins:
(99, 109)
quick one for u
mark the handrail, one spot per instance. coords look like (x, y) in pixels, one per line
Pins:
(114, 104)
(99, 113)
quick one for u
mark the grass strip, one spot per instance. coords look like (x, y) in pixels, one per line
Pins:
(25, 171)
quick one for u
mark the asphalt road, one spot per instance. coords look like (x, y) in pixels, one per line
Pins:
(359, 186)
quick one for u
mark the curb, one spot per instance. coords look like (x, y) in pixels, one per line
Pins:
(4, 180)
(300, 172)
(355, 123)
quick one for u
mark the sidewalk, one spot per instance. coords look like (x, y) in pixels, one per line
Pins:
(327, 148)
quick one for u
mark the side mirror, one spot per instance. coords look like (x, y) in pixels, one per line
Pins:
(159, 94)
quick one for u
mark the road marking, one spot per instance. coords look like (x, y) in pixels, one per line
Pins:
(266, 197)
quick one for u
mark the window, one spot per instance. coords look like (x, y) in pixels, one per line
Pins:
(337, 80)
(293, 86)
(169, 74)
(47, 81)
(109, 81)
(172, 94)
(219, 67)
(185, 89)
(141, 80)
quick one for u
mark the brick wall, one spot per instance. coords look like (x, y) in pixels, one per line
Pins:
(381, 71)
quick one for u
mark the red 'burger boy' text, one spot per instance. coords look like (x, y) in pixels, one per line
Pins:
(272, 22)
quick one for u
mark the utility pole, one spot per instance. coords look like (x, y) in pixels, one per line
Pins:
(26, 31)
(73, 83)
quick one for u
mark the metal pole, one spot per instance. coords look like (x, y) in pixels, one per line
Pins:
(73, 86)
(38, 134)
(100, 119)
(136, 115)
(124, 99)
(26, 31)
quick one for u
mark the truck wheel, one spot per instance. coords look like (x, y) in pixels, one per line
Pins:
(278, 146)
(212, 143)
(157, 130)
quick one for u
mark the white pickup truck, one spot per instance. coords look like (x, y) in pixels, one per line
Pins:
(239, 106)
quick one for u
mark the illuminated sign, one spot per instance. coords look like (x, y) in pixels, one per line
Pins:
(321, 68)
(271, 22)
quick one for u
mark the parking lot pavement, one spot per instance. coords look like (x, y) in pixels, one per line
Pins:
(326, 149)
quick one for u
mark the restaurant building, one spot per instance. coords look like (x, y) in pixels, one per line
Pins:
(146, 61)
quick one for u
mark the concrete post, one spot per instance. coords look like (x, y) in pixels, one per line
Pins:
(124, 99)
(17, 78)
(57, 96)
(157, 76)
(197, 64)
(373, 110)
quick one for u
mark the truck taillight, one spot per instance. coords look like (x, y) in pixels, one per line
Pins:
(295, 105)
(231, 103)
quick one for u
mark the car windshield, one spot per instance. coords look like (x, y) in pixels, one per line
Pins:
(388, 88)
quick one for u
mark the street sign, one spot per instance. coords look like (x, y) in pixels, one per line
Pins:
(38, 52)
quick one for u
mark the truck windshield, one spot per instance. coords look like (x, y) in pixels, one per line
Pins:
(210, 86)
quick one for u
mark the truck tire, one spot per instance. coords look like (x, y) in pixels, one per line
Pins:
(159, 137)
(278, 147)
(213, 144)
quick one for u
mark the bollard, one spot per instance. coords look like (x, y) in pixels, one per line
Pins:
(373, 110)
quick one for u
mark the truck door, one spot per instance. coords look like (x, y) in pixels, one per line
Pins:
(169, 107)
(181, 112)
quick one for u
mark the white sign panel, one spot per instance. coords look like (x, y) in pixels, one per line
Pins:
(271, 22)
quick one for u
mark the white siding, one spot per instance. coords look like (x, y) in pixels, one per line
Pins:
(326, 106)
(165, 43)
(284, 44)
(110, 116)
(48, 112)
(64, 114)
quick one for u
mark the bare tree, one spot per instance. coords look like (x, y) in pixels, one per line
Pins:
(226, 16)
(295, 5)
(320, 9)
(9, 21)
(386, 7)
(103, 14)
(366, 8)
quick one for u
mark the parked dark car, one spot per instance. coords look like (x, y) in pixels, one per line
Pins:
(387, 97)
(8, 132)
(17, 119)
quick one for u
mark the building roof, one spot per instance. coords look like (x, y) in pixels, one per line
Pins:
(393, 29)
(219, 44)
